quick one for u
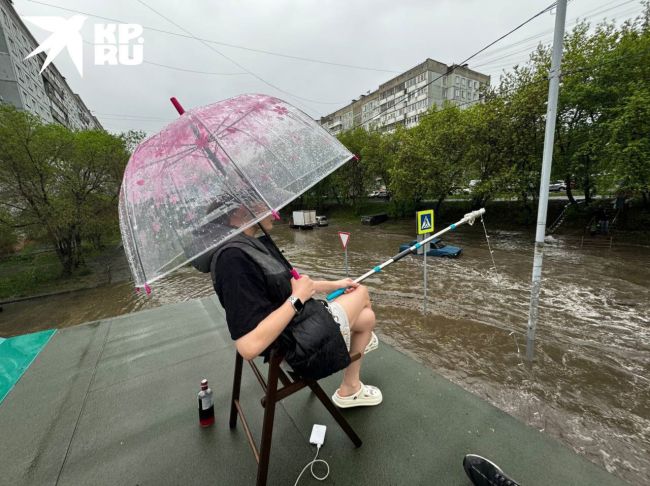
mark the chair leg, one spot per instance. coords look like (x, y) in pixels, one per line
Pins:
(269, 415)
(236, 387)
(340, 419)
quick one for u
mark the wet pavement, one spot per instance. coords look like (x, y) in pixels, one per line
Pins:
(589, 385)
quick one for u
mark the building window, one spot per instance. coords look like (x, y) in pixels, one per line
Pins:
(457, 80)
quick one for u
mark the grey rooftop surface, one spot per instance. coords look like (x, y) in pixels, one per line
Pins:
(114, 402)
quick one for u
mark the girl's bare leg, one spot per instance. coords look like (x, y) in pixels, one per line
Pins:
(362, 321)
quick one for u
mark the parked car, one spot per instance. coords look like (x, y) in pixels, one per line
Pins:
(373, 194)
(472, 184)
(373, 219)
(321, 221)
(557, 186)
(436, 248)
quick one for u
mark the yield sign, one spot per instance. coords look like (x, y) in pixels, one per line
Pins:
(345, 237)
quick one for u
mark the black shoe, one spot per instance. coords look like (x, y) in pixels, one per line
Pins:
(483, 472)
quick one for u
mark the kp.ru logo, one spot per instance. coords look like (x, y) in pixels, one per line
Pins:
(114, 43)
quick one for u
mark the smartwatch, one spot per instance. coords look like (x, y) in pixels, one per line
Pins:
(296, 303)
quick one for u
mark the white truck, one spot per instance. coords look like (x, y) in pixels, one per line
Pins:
(304, 219)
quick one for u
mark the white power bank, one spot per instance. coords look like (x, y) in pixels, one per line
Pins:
(317, 434)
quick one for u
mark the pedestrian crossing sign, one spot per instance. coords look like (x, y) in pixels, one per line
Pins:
(425, 221)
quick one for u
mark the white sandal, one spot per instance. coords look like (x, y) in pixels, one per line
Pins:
(372, 345)
(367, 396)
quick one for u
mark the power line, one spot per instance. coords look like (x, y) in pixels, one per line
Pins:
(498, 68)
(451, 70)
(124, 116)
(192, 70)
(256, 76)
(593, 12)
(563, 75)
(225, 44)
(584, 16)
(176, 68)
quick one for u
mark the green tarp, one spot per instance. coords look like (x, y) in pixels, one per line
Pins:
(16, 354)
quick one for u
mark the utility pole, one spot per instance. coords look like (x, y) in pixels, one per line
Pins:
(551, 115)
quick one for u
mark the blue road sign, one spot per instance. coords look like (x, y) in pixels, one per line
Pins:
(425, 221)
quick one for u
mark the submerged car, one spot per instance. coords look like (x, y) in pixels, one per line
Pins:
(437, 248)
(321, 221)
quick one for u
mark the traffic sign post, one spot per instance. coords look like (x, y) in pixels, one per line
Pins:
(425, 225)
(345, 237)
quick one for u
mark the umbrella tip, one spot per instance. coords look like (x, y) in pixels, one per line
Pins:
(177, 105)
(147, 289)
(276, 215)
(356, 157)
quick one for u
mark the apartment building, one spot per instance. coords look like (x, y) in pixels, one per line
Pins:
(403, 99)
(45, 94)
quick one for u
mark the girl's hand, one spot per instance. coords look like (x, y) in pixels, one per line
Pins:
(346, 283)
(303, 288)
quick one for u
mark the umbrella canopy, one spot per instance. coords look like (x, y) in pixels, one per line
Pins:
(251, 152)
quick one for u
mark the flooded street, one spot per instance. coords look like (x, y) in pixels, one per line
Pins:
(590, 384)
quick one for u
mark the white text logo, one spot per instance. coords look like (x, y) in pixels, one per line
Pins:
(113, 43)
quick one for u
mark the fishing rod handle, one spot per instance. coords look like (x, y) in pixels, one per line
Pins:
(338, 292)
(335, 294)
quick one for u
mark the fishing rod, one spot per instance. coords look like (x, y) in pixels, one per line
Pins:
(468, 218)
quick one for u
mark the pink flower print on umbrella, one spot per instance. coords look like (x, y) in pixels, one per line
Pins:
(258, 106)
(156, 227)
(280, 110)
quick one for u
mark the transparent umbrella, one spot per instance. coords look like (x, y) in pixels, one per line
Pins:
(253, 152)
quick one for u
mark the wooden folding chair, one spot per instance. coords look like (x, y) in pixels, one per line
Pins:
(272, 395)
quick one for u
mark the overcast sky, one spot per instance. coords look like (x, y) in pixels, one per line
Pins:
(384, 35)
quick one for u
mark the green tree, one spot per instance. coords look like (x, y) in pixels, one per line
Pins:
(350, 182)
(432, 160)
(524, 92)
(8, 236)
(487, 151)
(59, 182)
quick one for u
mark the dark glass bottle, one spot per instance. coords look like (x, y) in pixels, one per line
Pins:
(206, 405)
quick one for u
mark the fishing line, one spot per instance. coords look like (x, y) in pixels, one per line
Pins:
(487, 238)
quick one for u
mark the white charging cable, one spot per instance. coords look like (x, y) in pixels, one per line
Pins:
(310, 465)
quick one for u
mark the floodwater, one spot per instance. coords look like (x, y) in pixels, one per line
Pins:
(590, 383)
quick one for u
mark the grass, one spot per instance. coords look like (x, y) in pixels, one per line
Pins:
(22, 273)
(37, 270)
